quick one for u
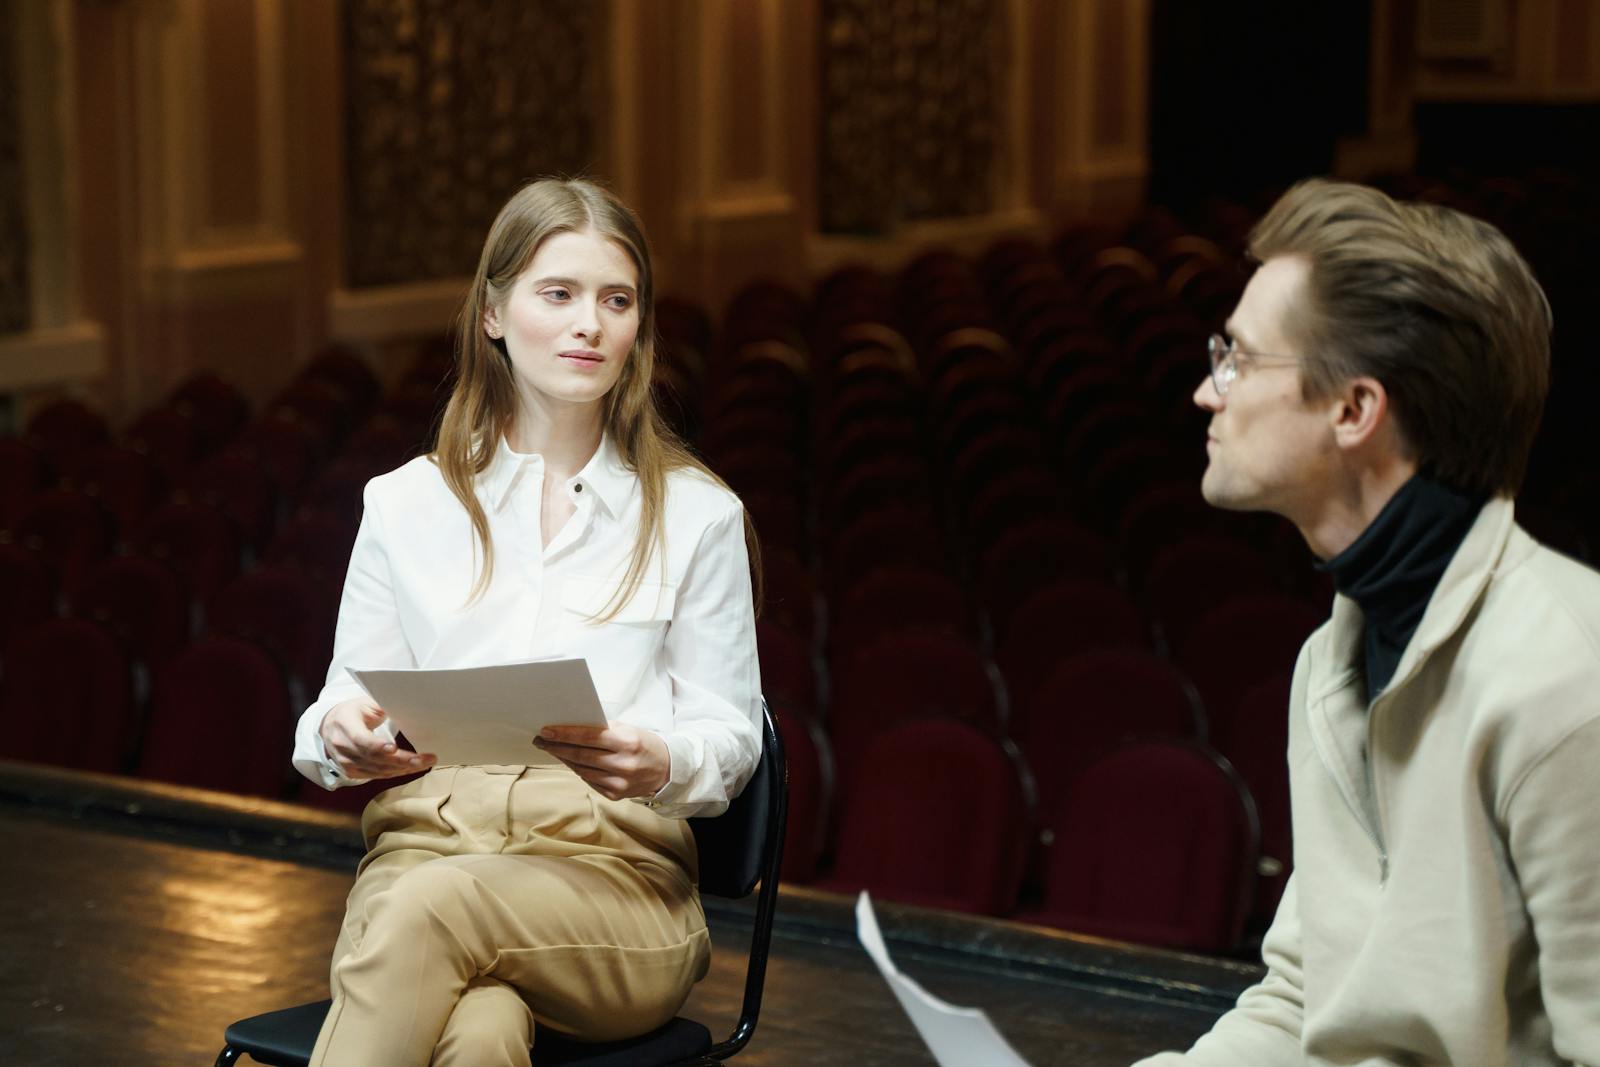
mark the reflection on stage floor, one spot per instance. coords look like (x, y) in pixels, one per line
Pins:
(139, 920)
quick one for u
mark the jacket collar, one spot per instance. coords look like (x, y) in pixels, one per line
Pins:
(605, 475)
(1459, 590)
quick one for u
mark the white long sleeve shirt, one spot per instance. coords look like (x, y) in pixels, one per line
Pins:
(679, 659)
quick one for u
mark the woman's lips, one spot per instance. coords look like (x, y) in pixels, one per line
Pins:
(584, 358)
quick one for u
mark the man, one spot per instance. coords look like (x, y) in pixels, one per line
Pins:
(1380, 387)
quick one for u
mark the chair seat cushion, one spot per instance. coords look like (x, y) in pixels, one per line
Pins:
(280, 1038)
(681, 1039)
(285, 1039)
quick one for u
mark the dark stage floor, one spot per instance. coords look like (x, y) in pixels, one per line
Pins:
(138, 921)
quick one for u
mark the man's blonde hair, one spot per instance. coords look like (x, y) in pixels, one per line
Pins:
(1433, 303)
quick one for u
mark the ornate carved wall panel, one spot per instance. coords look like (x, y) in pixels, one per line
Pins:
(449, 106)
(910, 98)
(14, 291)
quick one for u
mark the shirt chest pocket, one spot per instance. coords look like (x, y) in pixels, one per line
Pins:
(623, 648)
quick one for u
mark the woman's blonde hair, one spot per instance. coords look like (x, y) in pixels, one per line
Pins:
(483, 401)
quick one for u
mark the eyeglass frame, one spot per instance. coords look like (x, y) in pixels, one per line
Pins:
(1224, 352)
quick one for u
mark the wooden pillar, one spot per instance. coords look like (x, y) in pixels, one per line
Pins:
(1092, 100)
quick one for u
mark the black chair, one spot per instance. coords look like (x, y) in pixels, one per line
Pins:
(737, 849)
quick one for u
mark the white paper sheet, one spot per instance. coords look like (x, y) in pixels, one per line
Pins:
(957, 1037)
(485, 715)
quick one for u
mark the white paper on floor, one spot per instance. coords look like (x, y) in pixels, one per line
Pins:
(957, 1037)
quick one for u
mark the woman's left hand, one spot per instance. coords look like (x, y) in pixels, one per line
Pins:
(617, 760)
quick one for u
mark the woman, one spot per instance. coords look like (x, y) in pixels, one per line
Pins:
(556, 516)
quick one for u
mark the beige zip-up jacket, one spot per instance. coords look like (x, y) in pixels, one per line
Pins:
(1445, 905)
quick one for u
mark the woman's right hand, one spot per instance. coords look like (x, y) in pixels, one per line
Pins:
(347, 735)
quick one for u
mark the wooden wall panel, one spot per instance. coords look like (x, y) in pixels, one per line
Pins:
(449, 107)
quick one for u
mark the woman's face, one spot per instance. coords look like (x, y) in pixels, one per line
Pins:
(569, 321)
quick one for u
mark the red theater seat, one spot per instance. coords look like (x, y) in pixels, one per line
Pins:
(141, 601)
(1059, 620)
(1093, 701)
(29, 593)
(1240, 643)
(195, 540)
(66, 697)
(811, 783)
(67, 530)
(279, 608)
(902, 677)
(66, 427)
(220, 718)
(936, 815)
(1193, 575)
(1125, 862)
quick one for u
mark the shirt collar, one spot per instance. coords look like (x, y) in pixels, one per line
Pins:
(605, 475)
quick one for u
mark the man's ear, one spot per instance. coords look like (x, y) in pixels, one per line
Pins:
(1360, 412)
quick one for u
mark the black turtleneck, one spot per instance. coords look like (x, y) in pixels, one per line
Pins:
(1392, 569)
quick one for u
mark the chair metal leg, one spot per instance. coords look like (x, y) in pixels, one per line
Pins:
(227, 1056)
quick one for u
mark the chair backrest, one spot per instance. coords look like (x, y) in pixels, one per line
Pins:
(907, 833)
(737, 849)
(1125, 861)
(232, 694)
(734, 846)
(66, 697)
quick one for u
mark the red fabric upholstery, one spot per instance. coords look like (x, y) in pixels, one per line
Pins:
(788, 592)
(170, 439)
(318, 544)
(237, 486)
(811, 785)
(29, 594)
(1036, 554)
(68, 531)
(279, 608)
(128, 483)
(216, 409)
(65, 427)
(1192, 576)
(895, 600)
(1092, 701)
(140, 600)
(24, 471)
(1059, 620)
(220, 718)
(934, 815)
(1241, 642)
(788, 676)
(66, 697)
(902, 677)
(1154, 843)
(1255, 739)
(195, 540)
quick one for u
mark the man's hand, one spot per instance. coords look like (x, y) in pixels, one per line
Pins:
(617, 760)
(347, 735)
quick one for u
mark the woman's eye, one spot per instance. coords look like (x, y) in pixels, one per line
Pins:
(620, 301)
(557, 294)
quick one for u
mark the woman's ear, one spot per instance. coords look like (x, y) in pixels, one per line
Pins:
(491, 322)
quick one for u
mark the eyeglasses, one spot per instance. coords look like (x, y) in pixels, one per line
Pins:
(1225, 356)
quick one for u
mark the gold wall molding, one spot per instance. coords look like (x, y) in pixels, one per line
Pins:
(52, 358)
(388, 312)
(1096, 87)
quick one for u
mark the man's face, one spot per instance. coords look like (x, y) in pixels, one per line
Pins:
(1269, 449)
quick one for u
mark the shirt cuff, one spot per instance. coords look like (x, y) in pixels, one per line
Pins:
(679, 755)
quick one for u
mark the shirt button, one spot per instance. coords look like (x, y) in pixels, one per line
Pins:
(578, 488)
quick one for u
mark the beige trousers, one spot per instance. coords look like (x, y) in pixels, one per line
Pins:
(491, 899)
